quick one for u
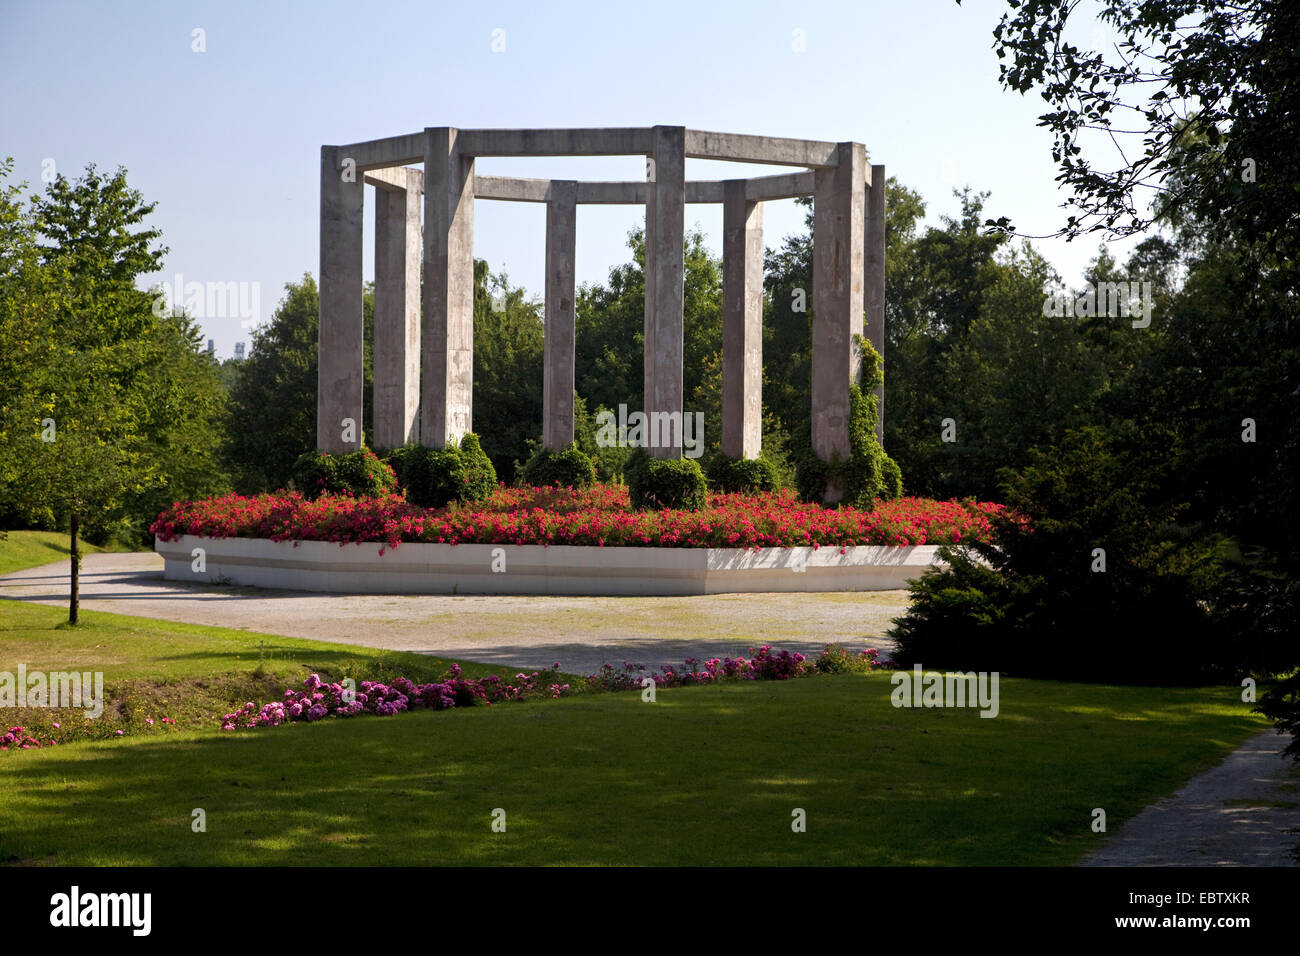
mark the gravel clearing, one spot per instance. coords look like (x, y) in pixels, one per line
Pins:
(525, 632)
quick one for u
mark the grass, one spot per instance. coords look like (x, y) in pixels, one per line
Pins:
(703, 775)
(31, 549)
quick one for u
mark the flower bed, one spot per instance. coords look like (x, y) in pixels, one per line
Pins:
(599, 516)
(319, 700)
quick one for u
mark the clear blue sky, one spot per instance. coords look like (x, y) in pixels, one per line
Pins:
(227, 141)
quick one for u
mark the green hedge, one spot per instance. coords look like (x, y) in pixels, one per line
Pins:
(657, 483)
(568, 468)
(435, 477)
(358, 473)
(742, 475)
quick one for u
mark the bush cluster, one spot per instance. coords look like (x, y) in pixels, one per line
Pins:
(666, 483)
(746, 476)
(567, 468)
(360, 474)
(1084, 559)
(435, 477)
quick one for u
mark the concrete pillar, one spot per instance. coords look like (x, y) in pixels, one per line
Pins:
(838, 236)
(558, 350)
(447, 383)
(873, 279)
(397, 314)
(742, 322)
(665, 265)
(341, 341)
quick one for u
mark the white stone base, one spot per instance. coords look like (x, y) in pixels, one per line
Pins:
(419, 568)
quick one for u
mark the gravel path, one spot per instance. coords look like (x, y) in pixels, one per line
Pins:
(1244, 812)
(526, 632)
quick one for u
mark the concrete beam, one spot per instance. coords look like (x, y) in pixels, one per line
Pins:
(873, 279)
(397, 314)
(341, 334)
(742, 323)
(838, 234)
(510, 189)
(381, 153)
(396, 179)
(613, 141)
(447, 384)
(780, 186)
(740, 148)
(558, 348)
(665, 265)
(611, 193)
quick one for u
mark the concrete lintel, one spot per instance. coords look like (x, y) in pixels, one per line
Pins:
(381, 153)
(596, 141)
(743, 148)
(397, 179)
(511, 189)
(780, 186)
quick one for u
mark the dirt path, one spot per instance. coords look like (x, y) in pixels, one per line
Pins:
(579, 632)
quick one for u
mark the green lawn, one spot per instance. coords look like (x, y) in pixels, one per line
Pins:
(30, 549)
(704, 775)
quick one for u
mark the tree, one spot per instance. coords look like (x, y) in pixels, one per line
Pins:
(1197, 99)
(508, 332)
(79, 374)
(272, 417)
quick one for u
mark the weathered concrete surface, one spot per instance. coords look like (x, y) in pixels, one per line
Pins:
(447, 383)
(665, 264)
(873, 279)
(397, 311)
(838, 233)
(341, 343)
(1244, 812)
(524, 632)
(594, 141)
(558, 346)
(742, 322)
(389, 151)
(595, 192)
(774, 150)
(512, 189)
(781, 186)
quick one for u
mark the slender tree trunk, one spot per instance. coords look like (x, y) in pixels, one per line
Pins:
(76, 567)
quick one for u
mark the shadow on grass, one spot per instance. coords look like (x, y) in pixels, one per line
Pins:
(704, 775)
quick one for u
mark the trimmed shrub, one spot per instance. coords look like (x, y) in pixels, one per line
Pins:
(742, 475)
(480, 477)
(435, 477)
(659, 483)
(358, 473)
(568, 468)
